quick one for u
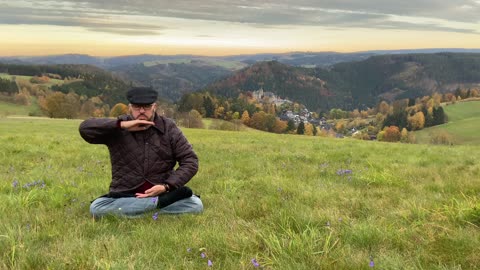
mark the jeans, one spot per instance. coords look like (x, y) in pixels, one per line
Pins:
(136, 207)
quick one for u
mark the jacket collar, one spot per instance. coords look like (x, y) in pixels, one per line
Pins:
(159, 123)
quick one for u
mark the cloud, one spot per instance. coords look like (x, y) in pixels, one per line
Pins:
(423, 15)
(97, 22)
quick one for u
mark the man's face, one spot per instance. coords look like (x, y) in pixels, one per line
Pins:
(142, 112)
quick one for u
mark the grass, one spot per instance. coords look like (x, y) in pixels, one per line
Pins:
(7, 108)
(290, 202)
(50, 83)
(462, 126)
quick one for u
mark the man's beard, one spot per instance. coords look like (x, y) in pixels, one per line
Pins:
(144, 117)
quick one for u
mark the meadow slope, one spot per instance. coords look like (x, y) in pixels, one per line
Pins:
(462, 126)
(289, 202)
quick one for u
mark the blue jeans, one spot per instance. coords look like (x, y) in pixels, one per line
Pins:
(136, 207)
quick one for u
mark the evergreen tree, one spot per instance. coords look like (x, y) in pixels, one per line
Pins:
(209, 108)
(290, 125)
(301, 128)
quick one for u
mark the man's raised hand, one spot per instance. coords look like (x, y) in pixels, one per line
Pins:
(136, 125)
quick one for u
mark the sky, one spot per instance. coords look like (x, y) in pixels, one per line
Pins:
(229, 27)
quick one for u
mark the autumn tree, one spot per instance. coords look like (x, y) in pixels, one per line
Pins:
(118, 109)
(392, 134)
(88, 107)
(417, 121)
(308, 129)
(383, 108)
(280, 126)
(192, 119)
(245, 118)
(59, 105)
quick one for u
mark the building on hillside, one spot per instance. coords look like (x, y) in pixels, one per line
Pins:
(268, 97)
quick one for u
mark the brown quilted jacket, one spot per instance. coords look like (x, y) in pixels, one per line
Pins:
(149, 155)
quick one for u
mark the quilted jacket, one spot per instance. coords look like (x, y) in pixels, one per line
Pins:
(149, 155)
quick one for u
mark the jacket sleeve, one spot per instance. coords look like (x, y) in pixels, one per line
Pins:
(98, 130)
(185, 156)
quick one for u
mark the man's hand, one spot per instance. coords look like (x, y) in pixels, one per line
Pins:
(152, 192)
(136, 125)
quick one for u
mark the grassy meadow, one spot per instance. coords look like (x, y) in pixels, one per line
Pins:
(285, 201)
(463, 124)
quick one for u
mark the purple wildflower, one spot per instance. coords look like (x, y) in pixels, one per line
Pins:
(154, 199)
(371, 264)
(155, 216)
(342, 171)
(15, 183)
(210, 263)
(255, 263)
(203, 255)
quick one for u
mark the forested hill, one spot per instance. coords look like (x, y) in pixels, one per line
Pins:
(172, 80)
(84, 80)
(358, 84)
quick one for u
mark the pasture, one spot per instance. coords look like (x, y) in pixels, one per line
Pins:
(271, 202)
(463, 124)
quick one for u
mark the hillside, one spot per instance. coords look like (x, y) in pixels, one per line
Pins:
(172, 80)
(462, 126)
(358, 84)
(297, 203)
(87, 80)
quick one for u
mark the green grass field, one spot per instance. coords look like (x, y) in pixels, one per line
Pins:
(289, 202)
(463, 124)
(50, 83)
(7, 108)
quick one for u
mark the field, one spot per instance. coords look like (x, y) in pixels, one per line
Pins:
(286, 201)
(7, 108)
(463, 124)
(50, 83)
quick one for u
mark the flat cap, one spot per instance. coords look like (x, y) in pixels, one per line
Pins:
(142, 95)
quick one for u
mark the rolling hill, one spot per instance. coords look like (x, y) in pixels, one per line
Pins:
(358, 84)
(462, 126)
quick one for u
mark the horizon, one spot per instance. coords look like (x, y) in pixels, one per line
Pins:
(454, 50)
(222, 28)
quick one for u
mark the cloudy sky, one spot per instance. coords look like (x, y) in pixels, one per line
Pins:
(225, 27)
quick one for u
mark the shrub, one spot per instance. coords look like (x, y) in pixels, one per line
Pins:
(441, 137)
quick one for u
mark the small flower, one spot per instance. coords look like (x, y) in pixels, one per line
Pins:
(210, 263)
(328, 224)
(371, 264)
(342, 171)
(155, 216)
(15, 183)
(203, 255)
(255, 263)
(154, 199)
(189, 249)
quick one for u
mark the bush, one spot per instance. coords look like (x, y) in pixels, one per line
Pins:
(441, 137)
(222, 125)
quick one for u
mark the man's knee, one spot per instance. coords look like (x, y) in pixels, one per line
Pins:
(99, 207)
(197, 204)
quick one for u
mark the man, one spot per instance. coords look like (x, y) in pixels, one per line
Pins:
(144, 150)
